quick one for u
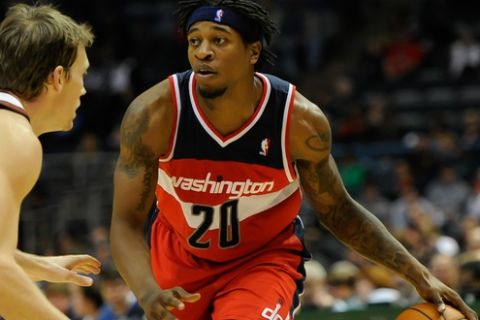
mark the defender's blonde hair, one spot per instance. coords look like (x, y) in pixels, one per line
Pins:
(34, 40)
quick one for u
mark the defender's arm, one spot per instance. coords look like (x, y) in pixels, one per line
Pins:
(20, 162)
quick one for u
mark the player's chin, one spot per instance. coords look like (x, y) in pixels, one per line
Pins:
(67, 126)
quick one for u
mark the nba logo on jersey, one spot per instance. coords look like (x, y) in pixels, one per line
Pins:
(219, 15)
(264, 146)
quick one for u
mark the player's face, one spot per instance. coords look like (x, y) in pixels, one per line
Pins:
(72, 90)
(219, 57)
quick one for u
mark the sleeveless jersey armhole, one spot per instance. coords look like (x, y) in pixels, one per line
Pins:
(10, 102)
(287, 161)
(173, 80)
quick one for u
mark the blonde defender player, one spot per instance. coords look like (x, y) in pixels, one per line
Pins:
(42, 64)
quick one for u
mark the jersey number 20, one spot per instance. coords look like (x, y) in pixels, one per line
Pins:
(229, 233)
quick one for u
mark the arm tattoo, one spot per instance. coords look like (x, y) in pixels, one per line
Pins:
(138, 157)
(349, 221)
(320, 142)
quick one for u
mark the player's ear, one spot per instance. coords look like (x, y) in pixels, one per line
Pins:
(56, 79)
(255, 50)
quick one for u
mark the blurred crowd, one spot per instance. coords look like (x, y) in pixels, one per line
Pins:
(400, 83)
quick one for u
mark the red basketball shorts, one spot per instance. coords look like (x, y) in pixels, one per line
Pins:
(263, 285)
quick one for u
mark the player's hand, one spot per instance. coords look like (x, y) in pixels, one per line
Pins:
(69, 268)
(438, 293)
(157, 304)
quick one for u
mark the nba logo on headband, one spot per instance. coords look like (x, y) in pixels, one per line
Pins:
(219, 15)
(238, 21)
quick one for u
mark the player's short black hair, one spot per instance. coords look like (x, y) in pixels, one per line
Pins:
(251, 9)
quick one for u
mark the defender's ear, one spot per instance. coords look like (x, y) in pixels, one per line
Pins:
(56, 79)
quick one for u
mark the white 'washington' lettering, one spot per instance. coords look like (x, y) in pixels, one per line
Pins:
(234, 188)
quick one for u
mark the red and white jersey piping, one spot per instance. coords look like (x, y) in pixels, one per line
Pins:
(217, 136)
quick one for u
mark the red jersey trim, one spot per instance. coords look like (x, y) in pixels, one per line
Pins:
(287, 116)
(176, 118)
(222, 140)
(12, 103)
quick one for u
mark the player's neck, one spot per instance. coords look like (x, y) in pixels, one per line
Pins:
(38, 118)
(231, 110)
(242, 97)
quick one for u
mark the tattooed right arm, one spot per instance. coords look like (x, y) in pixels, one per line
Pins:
(144, 137)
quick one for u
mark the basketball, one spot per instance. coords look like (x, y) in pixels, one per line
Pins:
(428, 311)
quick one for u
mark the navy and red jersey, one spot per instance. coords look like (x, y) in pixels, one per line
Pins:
(10, 102)
(228, 196)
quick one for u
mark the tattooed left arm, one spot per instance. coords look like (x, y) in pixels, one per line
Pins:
(351, 223)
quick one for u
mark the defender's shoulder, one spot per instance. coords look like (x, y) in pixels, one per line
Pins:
(21, 156)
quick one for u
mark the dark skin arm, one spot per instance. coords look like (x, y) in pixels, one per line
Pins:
(351, 223)
(144, 137)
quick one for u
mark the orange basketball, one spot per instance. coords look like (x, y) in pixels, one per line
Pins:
(428, 311)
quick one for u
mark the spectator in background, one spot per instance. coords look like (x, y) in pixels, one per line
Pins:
(342, 277)
(60, 296)
(446, 269)
(417, 239)
(472, 245)
(410, 207)
(87, 166)
(120, 303)
(464, 55)
(352, 127)
(473, 201)
(444, 144)
(403, 176)
(87, 303)
(343, 95)
(448, 192)
(315, 295)
(470, 137)
(353, 174)
(379, 126)
(101, 246)
(403, 57)
(369, 68)
(382, 281)
(373, 200)
(469, 284)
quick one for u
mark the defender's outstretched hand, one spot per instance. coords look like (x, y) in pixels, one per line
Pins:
(68, 268)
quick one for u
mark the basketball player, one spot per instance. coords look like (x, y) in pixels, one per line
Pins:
(42, 64)
(219, 144)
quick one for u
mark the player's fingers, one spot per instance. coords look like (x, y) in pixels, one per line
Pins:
(160, 313)
(87, 269)
(194, 297)
(469, 313)
(171, 301)
(85, 260)
(458, 303)
(79, 279)
(437, 299)
(183, 295)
